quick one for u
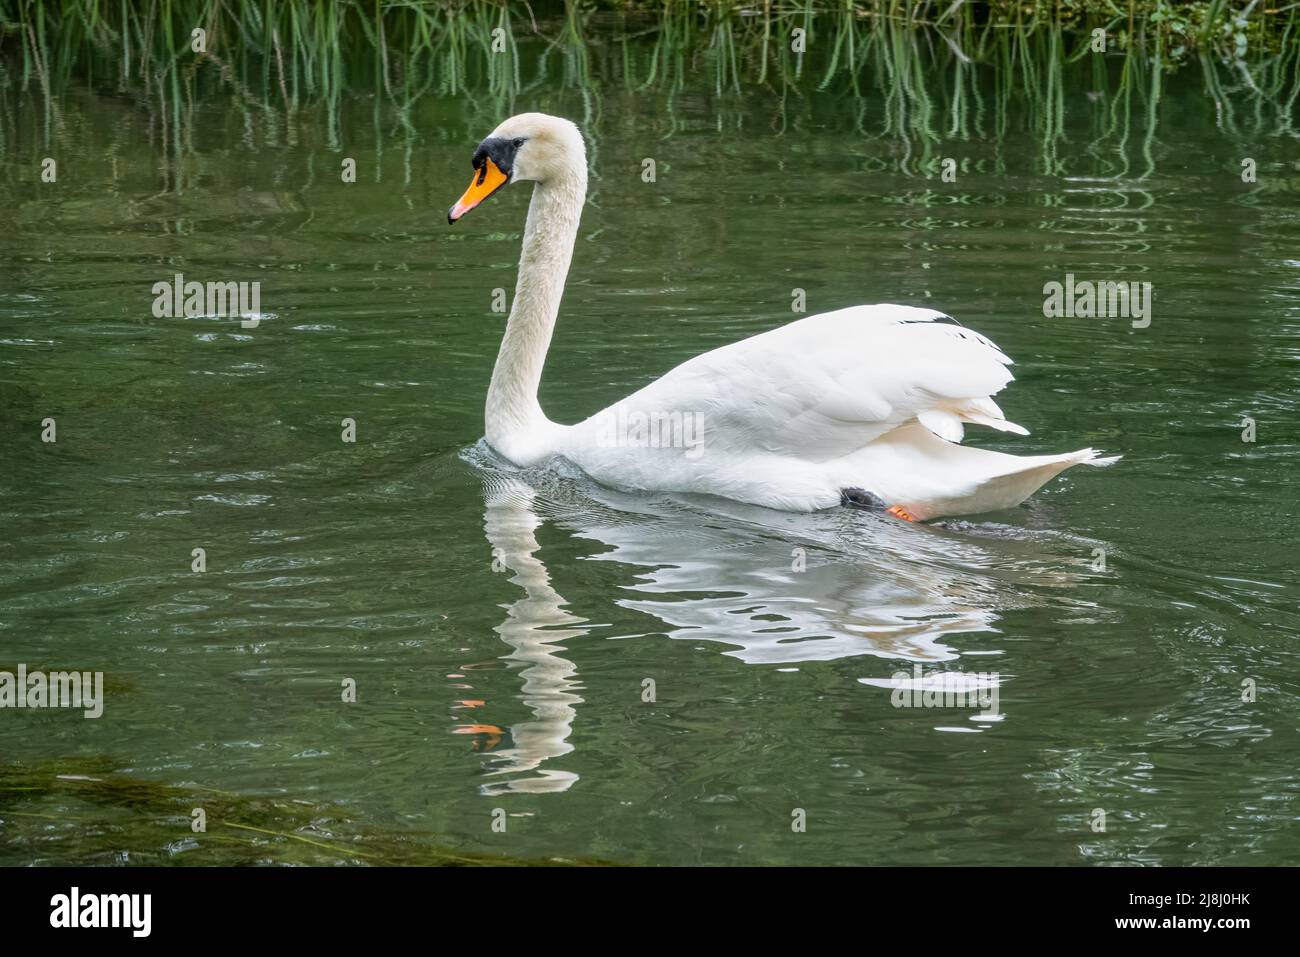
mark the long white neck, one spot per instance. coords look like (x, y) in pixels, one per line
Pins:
(515, 423)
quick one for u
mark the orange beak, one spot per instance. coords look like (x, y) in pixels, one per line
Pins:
(487, 181)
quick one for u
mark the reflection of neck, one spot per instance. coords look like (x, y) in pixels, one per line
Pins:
(532, 627)
(549, 235)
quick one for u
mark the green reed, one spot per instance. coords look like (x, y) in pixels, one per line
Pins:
(926, 61)
(318, 49)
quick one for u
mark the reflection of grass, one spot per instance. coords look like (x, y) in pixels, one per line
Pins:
(108, 815)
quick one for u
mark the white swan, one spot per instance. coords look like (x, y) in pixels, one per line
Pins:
(862, 406)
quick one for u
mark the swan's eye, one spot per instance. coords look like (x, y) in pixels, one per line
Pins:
(518, 143)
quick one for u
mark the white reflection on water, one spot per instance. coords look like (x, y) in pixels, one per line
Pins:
(533, 627)
(712, 570)
(731, 578)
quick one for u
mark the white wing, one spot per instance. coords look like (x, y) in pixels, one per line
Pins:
(823, 387)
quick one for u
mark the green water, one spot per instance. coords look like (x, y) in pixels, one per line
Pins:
(500, 625)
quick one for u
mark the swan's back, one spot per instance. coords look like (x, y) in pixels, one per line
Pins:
(794, 416)
(824, 386)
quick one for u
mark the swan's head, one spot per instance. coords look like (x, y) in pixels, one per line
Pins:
(530, 146)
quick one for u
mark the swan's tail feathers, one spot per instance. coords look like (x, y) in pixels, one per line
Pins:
(946, 420)
(1098, 460)
(1002, 425)
(1021, 478)
(928, 477)
(942, 423)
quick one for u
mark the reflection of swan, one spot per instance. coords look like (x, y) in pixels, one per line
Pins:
(532, 627)
(785, 589)
(779, 588)
(863, 406)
